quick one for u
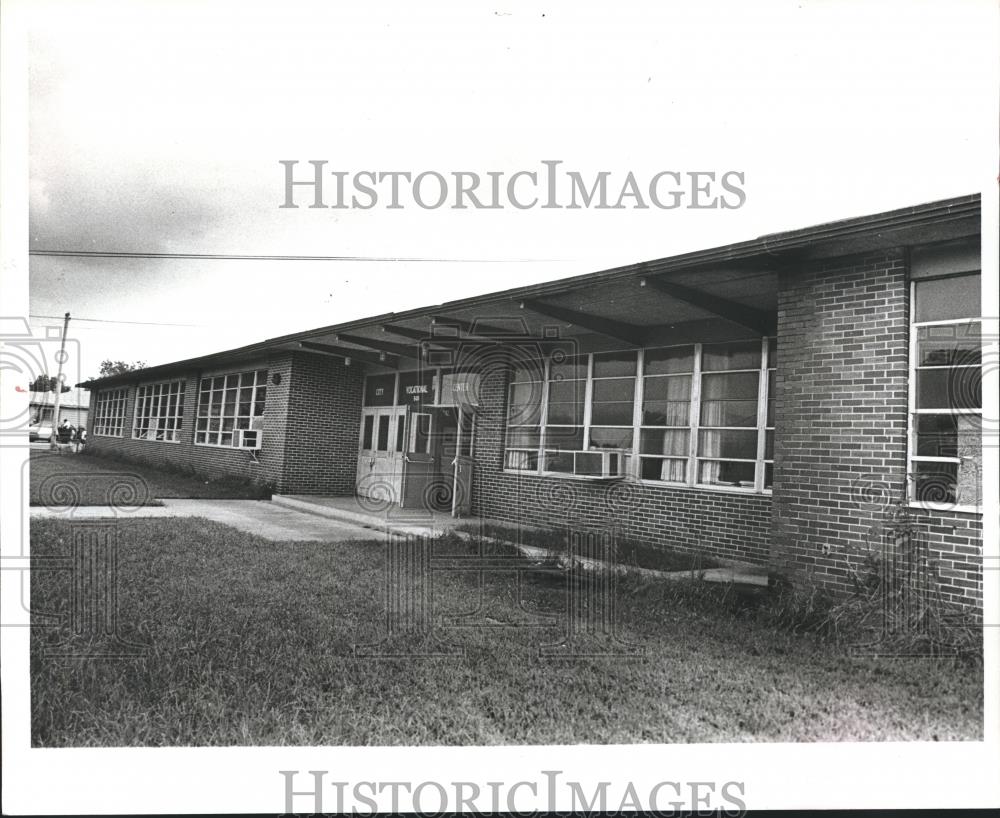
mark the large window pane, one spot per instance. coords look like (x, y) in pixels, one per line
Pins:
(673, 388)
(612, 414)
(666, 401)
(935, 482)
(416, 388)
(729, 399)
(523, 437)
(526, 393)
(610, 438)
(566, 402)
(614, 389)
(667, 469)
(716, 473)
(734, 386)
(382, 435)
(672, 413)
(572, 367)
(668, 360)
(565, 413)
(564, 437)
(379, 390)
(525, 406)
(949, 483)
(731, 355)
(530, 370)
(947, 435)
(945, 299)
(567, 391)
(728, 443)
(664, 441)
(949, 345)
(955, 388)
(614, 364)
(729, 413)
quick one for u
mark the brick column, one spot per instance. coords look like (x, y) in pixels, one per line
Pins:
(841, 409)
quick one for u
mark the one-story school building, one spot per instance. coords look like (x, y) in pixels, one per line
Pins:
(773, 401)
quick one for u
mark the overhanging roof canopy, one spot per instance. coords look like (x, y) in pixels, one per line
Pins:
(728, 291)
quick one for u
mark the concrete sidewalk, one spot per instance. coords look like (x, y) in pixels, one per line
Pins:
(261, 517)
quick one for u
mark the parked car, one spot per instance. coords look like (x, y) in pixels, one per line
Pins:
(40, 431)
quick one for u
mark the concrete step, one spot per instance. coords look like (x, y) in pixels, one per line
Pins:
(360, 518)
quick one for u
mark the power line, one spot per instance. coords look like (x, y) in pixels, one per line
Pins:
(241, 257)
(113, 321)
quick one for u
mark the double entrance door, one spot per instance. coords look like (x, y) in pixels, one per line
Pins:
(380, 458)
(418, 457)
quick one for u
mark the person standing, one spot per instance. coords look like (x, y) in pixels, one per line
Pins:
(64, 435)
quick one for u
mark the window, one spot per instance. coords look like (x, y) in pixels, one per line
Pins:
(109, 413)
(228, 404)
(612, 401)
(772, 362)
(382, 435)
(524, 413)
(666, 414)
(694, 414)
(564, 411)
(380, 390)
(159, 411)
(946, 391)
(728, 414)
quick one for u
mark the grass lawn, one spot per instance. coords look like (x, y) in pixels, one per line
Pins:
(250, 643)
(88, 480)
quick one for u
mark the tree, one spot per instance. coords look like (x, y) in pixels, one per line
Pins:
(43, 383)
(109, 367)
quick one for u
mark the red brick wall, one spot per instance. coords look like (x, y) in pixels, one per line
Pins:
(841, 423)
(722, 524)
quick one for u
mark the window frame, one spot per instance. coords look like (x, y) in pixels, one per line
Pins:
(198, 416)
(759, 426)
(912, 411)
(157, 399)
(633, 457)
(117, 399)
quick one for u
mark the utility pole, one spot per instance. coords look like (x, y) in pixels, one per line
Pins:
(58, 389)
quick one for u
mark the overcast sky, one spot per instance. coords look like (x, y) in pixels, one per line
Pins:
(158, 127)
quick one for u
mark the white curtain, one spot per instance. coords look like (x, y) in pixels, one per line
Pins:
(710, 442)
(674, 441)
(518, 460)
(672, 470)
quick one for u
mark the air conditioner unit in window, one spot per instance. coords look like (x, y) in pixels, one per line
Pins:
(599, 463)
(248, 439)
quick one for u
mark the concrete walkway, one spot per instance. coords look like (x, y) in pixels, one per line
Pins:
(374, 514)
(261, 517)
